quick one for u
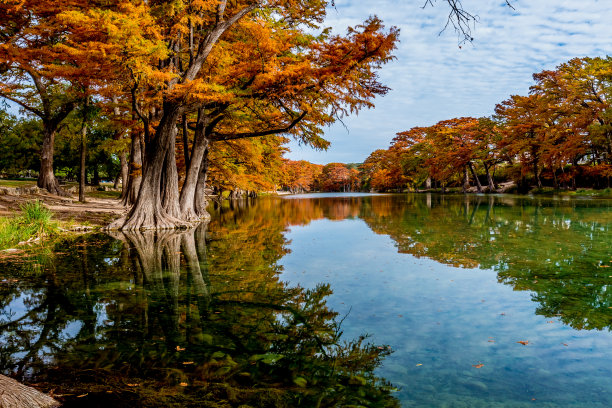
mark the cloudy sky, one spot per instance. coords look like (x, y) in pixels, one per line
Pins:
(433, 79)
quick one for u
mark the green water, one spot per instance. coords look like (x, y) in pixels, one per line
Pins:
(268, 305)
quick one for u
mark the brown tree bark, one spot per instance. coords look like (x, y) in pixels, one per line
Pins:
(16, 395)
(148, 212)
(46, 176)
(466, 180)
(195, 182)
(478, 185)
(200, 201)
(489, 178)
(134, 176)
(169, 182)
(83, 173)
(123, 160)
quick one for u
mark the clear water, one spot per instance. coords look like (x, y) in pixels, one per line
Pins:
(485, 302)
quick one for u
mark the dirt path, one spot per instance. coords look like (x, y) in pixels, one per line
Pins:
(95, 211)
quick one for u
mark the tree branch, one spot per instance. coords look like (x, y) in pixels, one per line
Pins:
(35, 111)
(232, 136)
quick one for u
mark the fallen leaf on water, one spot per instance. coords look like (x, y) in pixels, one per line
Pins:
(565, 344)
(491, 341)
(132, 385)
(179, 348)
(523, 342)
(550, 321)
(82, 395)
(419, 364)
(187, 362)
(604, 266)
(183, 384)
(479, 365)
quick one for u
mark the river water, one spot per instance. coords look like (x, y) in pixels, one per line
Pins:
(475, 301)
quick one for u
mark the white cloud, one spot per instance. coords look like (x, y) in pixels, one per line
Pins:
(432, 79)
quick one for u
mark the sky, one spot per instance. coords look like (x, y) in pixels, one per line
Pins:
(434, 79)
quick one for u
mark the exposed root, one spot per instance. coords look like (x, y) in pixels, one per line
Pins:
(16, 395)
(147, 220)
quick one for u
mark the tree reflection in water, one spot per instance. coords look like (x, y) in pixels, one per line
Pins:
(163, 319)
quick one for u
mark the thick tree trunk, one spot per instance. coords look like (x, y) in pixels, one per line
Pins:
(135, 172)
(83, 173)
(466, 180)
(191, 186)
(169, 182)
(124, 173)
(428, 183)
(147, 212)
(478, 185)
(185, 141)
(46, 177)
(200, 201)
(16, 395)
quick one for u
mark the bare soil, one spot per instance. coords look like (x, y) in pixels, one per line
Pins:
(95, 211)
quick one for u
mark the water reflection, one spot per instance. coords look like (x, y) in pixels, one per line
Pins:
(167, 319)
(204, 316)
(559, 249)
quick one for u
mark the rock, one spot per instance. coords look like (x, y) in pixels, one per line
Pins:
(17, 395)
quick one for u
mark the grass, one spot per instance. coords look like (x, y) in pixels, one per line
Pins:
(104, 194)
(18, 183)
(34, 222)
(581, 192)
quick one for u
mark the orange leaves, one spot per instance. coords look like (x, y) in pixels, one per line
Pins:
(479, 365)
(523, 342)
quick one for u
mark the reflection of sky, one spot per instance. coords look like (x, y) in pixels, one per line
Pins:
(448, 320)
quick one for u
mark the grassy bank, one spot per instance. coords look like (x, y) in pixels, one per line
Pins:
(34, 223)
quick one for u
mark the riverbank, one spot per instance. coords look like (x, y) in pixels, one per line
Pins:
(28, 220)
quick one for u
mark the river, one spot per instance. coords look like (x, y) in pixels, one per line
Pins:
(466, 301)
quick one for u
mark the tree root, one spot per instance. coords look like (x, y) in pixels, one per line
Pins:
(16, 395)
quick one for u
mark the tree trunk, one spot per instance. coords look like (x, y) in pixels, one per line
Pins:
(428, 183)
(200, 201)
(46, 177)
(537, 174)
(16, 395)
(191, 186)
(466, 180)
(147, 212)
(478, 185)
(135, 171)
(169, 182)
(124, 173)
(96, 176)
(489, 178)
(185, 141)
(83, 174)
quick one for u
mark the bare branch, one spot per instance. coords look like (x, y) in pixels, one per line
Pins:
(219, 136)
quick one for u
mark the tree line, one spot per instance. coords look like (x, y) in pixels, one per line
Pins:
(177, 95)
(182, 85)
(559, 136)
